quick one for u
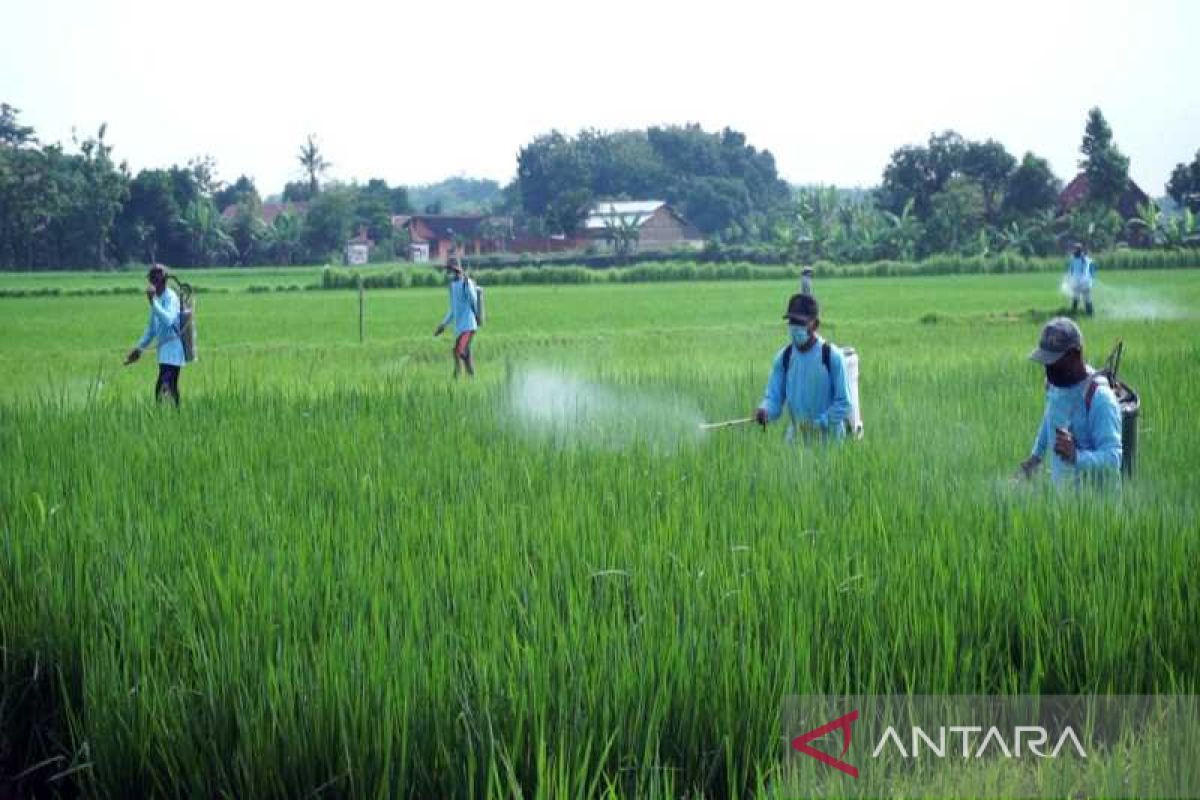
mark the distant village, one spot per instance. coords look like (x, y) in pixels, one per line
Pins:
(625, 226)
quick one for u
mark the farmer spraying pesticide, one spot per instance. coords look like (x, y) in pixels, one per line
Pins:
(1082, 420)
(168, 326)
(465, 312)
(1081, 271)
(809, 378)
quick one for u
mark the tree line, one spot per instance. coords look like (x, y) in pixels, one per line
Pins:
(82, 209)
(77, 207)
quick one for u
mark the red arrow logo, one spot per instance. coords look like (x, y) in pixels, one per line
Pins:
(800, 743)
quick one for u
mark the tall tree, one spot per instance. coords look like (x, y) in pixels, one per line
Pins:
(918, 173)
(150, 224)
(235, 192)
(246, 229)
(373, 210)
(1107, 169)
(329, 221)
(958, 216)
(103, 189)
(313, 163)
(1184, 185)
(1032, 189)
(990, 164)
(12, 133)
(717, 180)
(297, 192)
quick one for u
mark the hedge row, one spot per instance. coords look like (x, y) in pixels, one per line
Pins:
(336, 278)
(764, 255)
(404, 277)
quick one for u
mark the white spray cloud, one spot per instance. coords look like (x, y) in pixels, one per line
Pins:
(553, 404)
(1127, 302)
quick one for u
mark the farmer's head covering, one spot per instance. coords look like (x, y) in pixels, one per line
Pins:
(156, 273)
(802, 309)
(1058, 338)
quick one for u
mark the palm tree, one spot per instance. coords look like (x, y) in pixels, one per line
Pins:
(313, 163)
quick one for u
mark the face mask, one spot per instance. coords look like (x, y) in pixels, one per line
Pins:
(800, 334)
(1058, 376)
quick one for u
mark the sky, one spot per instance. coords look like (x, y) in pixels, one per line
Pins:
(416, 92)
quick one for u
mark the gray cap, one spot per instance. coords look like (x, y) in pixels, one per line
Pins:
(1059, 336)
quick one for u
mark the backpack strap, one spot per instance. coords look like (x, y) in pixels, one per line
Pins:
(826, 350)
(787, 364)
(1090, 393)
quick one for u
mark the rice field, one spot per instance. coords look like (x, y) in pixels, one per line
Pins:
(337, 572)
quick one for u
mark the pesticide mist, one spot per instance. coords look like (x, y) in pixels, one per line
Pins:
(1125, 302)
(553, 404)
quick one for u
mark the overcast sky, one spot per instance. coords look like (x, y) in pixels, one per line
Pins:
(415, 92)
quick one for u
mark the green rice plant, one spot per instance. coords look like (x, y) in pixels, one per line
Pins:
(334, 570)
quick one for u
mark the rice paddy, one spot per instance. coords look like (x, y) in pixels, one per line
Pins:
(335, 571)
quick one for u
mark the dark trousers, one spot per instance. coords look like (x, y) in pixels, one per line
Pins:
(167, 383)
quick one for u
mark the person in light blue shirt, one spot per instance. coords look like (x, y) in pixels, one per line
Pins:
(1082, 419)
(163, 326)
(464, 303)
(808, 377)
(1080, 274)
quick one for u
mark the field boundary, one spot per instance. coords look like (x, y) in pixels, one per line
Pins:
(415, 276)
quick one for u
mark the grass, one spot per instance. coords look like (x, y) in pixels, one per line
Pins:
(335, 570)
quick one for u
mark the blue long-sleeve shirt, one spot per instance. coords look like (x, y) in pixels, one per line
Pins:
(1080, 271)
(1097, 432)
(164, 326)
(463, 299)
(812, 393)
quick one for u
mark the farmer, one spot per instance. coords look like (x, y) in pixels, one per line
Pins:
(1082, 419)
(463, 302)
(809, 377)
(163, 326)
(1080, 272)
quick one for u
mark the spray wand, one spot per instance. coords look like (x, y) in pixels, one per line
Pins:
(729, 423)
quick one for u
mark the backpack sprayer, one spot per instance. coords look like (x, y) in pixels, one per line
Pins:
(478, 306)
(187, 317)
(1129, 403)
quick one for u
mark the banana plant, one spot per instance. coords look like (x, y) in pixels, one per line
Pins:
(622, 232)
(1147, 227)
(1017, 238)
(1182, 231)
(210, 243)
(905, 231)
